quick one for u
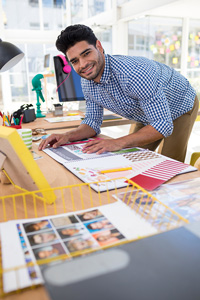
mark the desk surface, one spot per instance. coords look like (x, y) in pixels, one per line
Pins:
(42, 123)
(58, 175)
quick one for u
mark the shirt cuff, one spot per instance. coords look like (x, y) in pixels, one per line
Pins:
(164, 127)
(92, 124)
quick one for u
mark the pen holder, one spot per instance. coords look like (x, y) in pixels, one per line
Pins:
(15, 126)
(58, 111)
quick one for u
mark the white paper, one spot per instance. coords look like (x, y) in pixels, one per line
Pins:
(119, 218)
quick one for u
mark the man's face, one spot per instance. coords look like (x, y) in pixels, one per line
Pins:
(87, 60)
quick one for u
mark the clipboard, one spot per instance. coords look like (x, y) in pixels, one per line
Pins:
(164, 266)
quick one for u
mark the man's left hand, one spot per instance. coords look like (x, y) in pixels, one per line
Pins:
(102, 145)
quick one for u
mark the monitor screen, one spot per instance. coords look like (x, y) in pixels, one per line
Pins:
(71, 89)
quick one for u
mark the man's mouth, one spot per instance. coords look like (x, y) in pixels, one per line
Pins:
(87, 70)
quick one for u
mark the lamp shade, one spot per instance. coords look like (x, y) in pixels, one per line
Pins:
(10, 55)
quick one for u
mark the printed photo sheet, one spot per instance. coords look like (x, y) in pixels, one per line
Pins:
(31, 240)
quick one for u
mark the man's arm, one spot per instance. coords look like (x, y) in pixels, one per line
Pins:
(142, 137)
(55, 140)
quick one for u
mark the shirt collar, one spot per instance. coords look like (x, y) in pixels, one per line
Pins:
(106, 73)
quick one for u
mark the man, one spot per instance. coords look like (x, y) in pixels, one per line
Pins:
(159, 99)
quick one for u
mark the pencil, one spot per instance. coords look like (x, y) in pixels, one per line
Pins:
(116, 170)
(8, 121)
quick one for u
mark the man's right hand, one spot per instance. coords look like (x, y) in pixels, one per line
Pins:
(84, 131)
(54, 140)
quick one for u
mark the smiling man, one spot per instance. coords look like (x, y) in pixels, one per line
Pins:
(160, 100)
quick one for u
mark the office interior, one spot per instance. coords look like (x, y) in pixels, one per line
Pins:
(165, 30)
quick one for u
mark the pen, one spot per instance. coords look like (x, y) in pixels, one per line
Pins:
(21, 120)
(6, 123)
(11, 119)
(4, 119)
(8, 116)
(116, 170)
(14, 121)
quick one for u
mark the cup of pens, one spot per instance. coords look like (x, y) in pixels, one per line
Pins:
(10, 121)
(26, 135)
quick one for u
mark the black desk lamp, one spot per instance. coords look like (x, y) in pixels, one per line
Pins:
(10, 55)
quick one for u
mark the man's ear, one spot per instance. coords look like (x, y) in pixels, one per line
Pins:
(99, 46)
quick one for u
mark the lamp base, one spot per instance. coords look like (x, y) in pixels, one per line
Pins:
(40, 115)
(38, 112)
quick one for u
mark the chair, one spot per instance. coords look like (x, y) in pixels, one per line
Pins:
(194, 157)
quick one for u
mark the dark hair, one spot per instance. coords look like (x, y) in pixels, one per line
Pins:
(73, 34)
(32, 240)
(31, 227)
(89, 226)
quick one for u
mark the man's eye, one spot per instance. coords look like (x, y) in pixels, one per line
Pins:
(74, 62)
(86, 53)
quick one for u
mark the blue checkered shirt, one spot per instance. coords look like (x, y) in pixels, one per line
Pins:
(138, 89)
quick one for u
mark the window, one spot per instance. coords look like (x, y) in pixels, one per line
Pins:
(156, 38)
(95, 7)
(193, 63)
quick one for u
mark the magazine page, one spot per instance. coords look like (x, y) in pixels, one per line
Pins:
(31, 240)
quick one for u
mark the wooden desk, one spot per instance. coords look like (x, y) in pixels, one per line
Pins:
(41, 123)
(58, 175)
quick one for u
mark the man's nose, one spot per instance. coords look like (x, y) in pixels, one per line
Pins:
(82, 63)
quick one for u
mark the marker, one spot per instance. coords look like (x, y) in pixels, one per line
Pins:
(14, 121)
(72, 114)
(21, 120)
(116, 170)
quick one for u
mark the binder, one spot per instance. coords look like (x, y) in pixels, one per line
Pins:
(164, 266)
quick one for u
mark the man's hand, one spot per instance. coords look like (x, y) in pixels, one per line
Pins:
(102, 145)
(54, 140)
(142, 137)
(84, 131)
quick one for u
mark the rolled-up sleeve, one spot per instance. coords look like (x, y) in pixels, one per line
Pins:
(93, 115)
